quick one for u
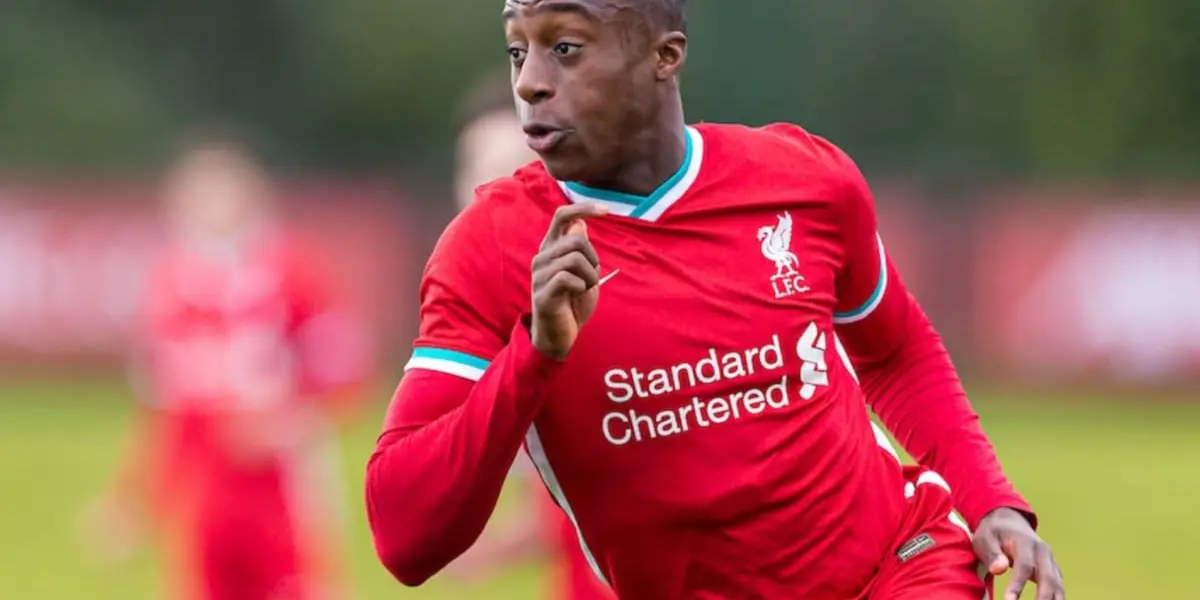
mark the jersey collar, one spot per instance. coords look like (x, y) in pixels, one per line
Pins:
(651, 207)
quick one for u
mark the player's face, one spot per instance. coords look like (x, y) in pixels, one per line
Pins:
(490, 147)
(214, 193)
(584, 81)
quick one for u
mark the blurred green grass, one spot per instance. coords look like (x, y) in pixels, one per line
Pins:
(1115, 479)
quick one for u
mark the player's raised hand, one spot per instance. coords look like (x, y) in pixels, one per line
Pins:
(1005, 540)
(566, 273)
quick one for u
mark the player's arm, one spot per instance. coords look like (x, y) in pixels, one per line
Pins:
(518, 537)
(910, 382)
(131, 483)
(112, 523)
(289, 406)
(904, 368)
(471, 391)
(454, 427)
(146, 363)
(333, 348)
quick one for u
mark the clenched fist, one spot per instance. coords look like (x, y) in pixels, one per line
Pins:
(566, 273)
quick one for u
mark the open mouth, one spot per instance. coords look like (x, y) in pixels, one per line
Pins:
(543, 138)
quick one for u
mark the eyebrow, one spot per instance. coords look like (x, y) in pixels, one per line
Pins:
(553, 6)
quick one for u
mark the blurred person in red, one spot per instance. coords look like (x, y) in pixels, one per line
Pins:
(244, 359)
(491, 145)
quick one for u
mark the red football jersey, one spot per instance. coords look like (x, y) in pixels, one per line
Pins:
(243, 328)
(707, 435)
(572, 577)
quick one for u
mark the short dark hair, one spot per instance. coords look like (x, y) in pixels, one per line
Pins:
(673, 13)
(491, 93)
(649, 18)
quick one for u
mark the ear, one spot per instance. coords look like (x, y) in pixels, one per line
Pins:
(672, 53)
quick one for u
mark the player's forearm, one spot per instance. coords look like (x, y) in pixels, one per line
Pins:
(129, 487)
(508, 543)
(917, 393)
(431, 490)
(130, 484)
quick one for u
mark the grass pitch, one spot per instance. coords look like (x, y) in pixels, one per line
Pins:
(1115, 479)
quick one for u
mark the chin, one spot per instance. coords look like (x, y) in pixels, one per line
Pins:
(565, 168)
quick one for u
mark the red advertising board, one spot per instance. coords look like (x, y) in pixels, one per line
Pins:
(73, 259)
(1075, 284)
(1058, 284)
(900, 224)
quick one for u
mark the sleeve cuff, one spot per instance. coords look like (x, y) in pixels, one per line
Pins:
(535, 362)
(1013, 502)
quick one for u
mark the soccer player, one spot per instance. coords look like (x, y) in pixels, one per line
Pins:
(244, 357)
(491, 145)
(684, 327)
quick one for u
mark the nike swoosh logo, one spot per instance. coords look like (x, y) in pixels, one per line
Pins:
(607, 277)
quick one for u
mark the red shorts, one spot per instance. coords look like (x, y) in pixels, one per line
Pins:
(248, 549)
(932, 558)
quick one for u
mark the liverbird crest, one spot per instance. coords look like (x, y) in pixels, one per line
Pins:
(777, 246)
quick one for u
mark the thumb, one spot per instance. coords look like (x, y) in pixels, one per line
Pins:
(578, 228)
(999, 565)
(990, 552)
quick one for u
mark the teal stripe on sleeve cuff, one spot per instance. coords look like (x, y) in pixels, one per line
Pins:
(876, 297)
(451, 362)
(453, 356)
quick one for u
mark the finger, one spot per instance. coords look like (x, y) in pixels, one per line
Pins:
(989, 552)
(1023, 569)
(1048, 576)
(561, 284)
(574, 263)
(564, 246)
(564, 217)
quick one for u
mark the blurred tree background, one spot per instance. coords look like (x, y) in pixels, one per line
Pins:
(1105, 88)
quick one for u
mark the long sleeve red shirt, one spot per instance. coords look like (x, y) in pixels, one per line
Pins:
(705, 395)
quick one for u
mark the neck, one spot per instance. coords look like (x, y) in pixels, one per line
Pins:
(222, 243)
(655, 155)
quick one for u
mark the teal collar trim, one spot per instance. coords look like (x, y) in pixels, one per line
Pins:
(652, 206)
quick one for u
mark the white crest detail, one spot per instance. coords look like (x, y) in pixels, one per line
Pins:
(777, 246)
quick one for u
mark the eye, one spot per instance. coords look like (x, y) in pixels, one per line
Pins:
(516, 54)
(566, 48)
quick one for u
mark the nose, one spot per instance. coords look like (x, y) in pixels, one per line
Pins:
(535, 80)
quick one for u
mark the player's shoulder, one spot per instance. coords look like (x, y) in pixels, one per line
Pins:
(285, 245)
(162, 291)
(162, 271)
(782, 152)
(781, 142)
(782, 161)
(499, 227)
(528, 190)
(503, 209)
(297, 258)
